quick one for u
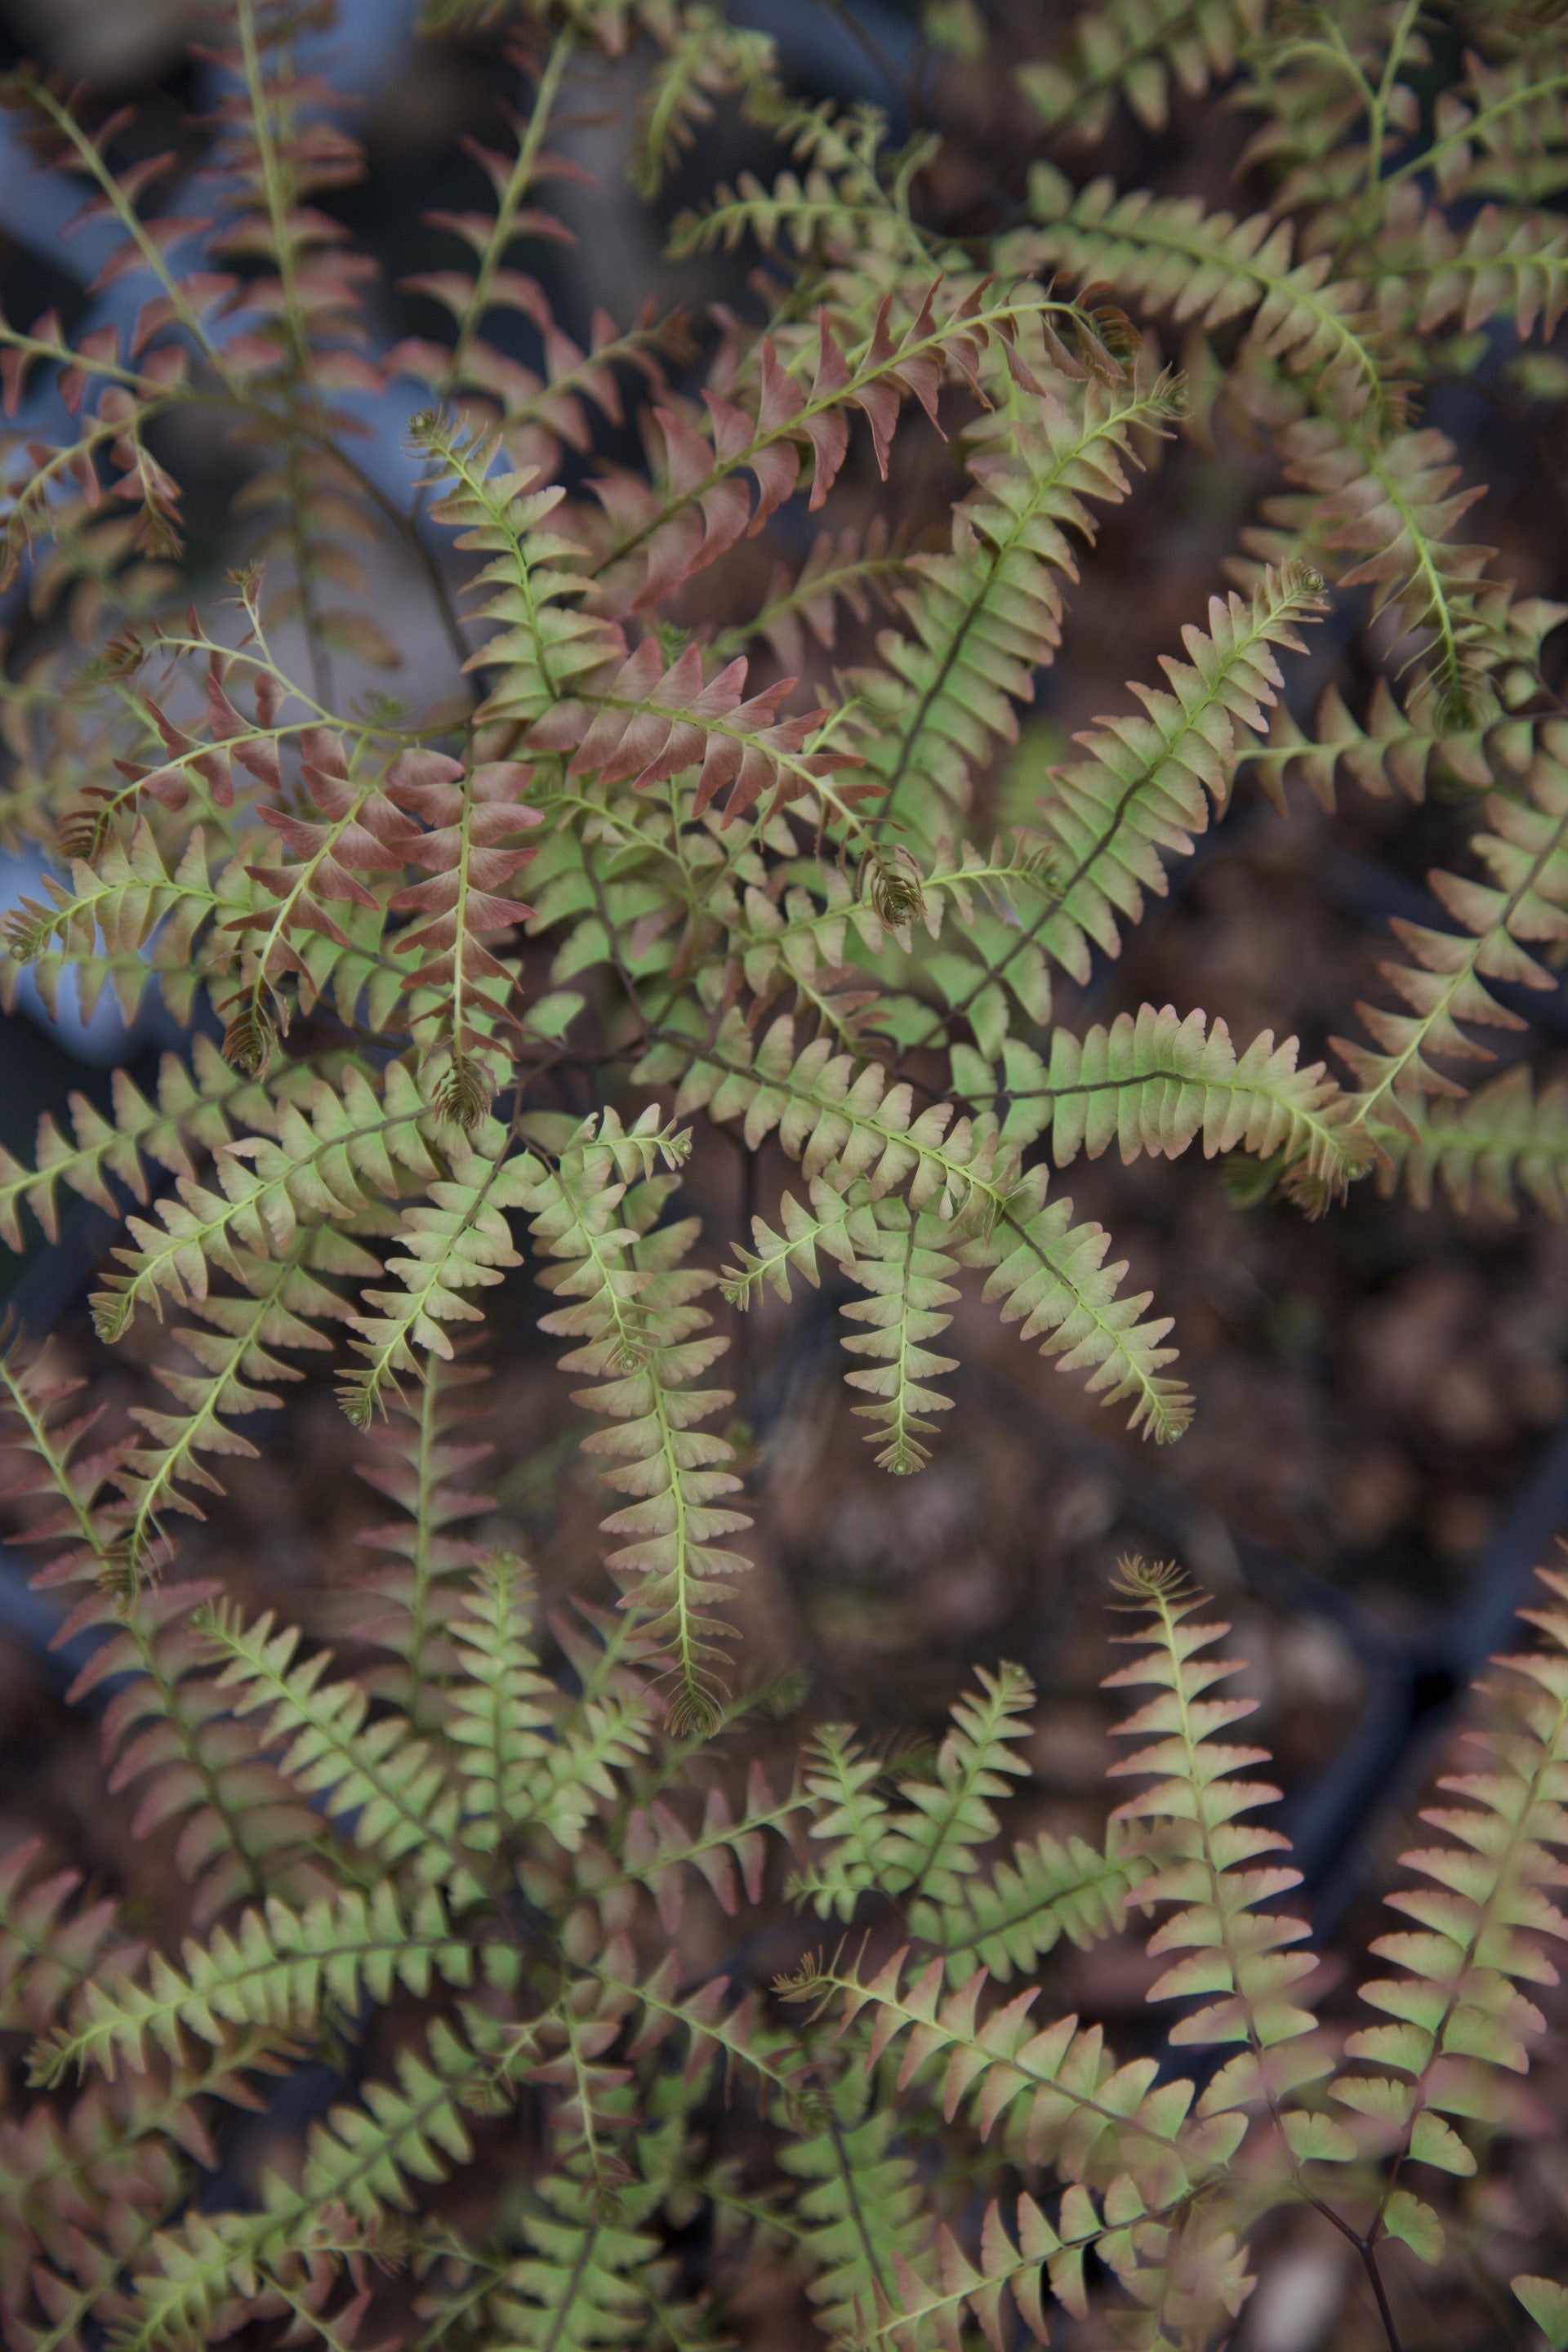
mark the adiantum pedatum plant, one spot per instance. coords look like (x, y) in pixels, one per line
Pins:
(628, 846)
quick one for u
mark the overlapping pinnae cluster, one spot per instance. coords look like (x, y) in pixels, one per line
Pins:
(479, 1849)
(695, 842)
(647, 868)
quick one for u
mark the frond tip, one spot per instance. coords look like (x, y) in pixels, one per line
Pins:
(1142, 1582)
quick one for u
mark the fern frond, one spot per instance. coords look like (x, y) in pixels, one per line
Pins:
(1154, 1083)
(458, 1240)
(356, 828)
(199, 1104)
(932, 1847)
(842, 1120)
(537, 412)
(662, 535)
(849, 1821)
(469, 849)
(278, 1969)
(985, 617)
(1392, 752)
(650, 721)
(243, 1830)
(1500, 132)
(1057, 2092)
(48, 1952)
(1010, 1914)
(903, 1264)
(643, 1340)
(1503, 263)
(361, 2163)
(121, 901)
(72, 2220)
(1209, 1860)
(500, 1706)
(421, 1466)
(728, 1850)
(858, 2212)
(839, 202)
(1463, 2023)
(283, 1302)
(1147, 786)
(704, 58)
(393, 1784)
(55, 1470)
(831, 1227)
(849, 568)
(1392, 506)
(1507, 1141)
(586, 2270)
(348, 1146)
(1524, 904)
(545, 645)
(924, 1855)
(1167, 254)
(1133, 49)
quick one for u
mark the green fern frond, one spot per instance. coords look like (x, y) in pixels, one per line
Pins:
(120, 900)
(403, 1801)
(1507, 1141)
(283, 1302)
(1524, 851)
(1147, 786)
(343, 1148)
(420, 1464)
(1052, 2095)
(456, 1241)
(1010, 1914)
(1209, 1865)
(932, 1847)
(843, 1120)
(839, 201)
(858, 2212)
(985, 617)
(544, 645)
(848, 1824)
(1154, 1083)
(904, 1267)
(278, 1969)
(1462, 2023)
(705, 59)
(1167, 254)
(644, 1341)
(362, 2162)
(925, 1853)
(501, 1703)
(1135, 49)
(833, 1226)
(198, 1108)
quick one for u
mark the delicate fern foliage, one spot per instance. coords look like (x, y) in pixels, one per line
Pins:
(697, 838)
(1462, 2022)
(1237, 1949)
(717, 908)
